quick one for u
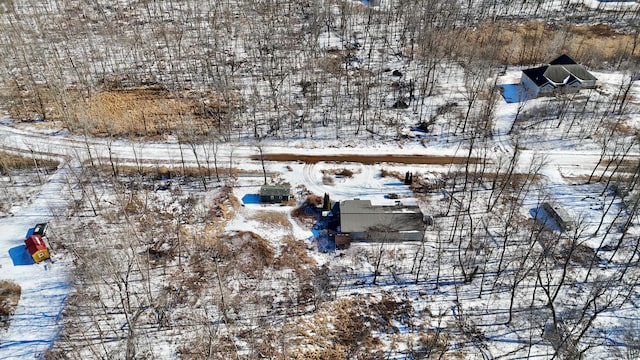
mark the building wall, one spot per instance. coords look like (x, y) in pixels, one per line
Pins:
(273, 198)
(531, 87)
(369, 227)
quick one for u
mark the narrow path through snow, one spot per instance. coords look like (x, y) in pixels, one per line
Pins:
(44, 286)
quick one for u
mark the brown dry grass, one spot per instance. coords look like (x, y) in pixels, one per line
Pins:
(293, 255)
(433, 342)
(153, 111)
(136, 112)
(10, 162)
(9, 298)
(147, 111)
(392, 173)
(338, 172)
(249, 252)
(346, 328)
(371, 159)
(337, 332)
(273, 218)
(327, 180)
(531, 42)
(165, 172)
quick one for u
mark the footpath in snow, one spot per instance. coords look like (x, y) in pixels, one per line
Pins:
(45, 286)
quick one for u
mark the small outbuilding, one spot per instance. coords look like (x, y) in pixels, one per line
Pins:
(274, 193)
(559, 215)
(37, 248)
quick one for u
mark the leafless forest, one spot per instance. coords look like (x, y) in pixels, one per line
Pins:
(279, 68)
(156, 274)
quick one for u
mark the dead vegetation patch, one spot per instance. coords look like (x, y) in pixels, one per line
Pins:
(531, 42)
(225, 204)
(157, 171)
(391, 173)
(627, 166)
(328, 180)
(371, 159)
(10, 162)
(338, 172)
(155, 111)
(143, 111)
(347, 328)
(249, 252)
(578, 253)
(9, 297)
(272, 218)
(293, 255)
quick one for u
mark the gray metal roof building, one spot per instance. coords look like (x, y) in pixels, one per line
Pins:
(364, 221)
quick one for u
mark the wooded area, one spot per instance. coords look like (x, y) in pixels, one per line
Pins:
(166, 258)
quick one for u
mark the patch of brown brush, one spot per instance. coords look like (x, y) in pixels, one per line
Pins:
(145, 111)
(247, 251)
(9, 297)
(580, 253)
(272, 218)
(147, 168)
(10, 162)
(293, 255)
(328, 180)
(433, 342)
(531, 42)
(338, 172)
(348, 326)
(392, 174)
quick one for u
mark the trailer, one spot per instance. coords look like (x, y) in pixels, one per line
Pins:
(559, 215)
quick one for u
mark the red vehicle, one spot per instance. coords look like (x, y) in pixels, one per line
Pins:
(37, 248)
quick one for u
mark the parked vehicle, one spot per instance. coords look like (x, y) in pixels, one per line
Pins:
(37, 248)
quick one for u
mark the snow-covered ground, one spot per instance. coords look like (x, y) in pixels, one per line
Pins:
(484, 249)
(35, 324)
(45, 286)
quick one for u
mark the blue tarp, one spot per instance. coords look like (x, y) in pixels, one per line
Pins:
(514, 93)
(251, 199)
(20, 256)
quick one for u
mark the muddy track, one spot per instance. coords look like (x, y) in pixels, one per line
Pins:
(371, 159)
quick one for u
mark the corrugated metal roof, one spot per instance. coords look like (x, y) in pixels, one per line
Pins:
(361, 216)
(275, 190)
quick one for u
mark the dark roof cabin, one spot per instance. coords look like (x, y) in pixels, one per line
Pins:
(274, 193)
(562, 73)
